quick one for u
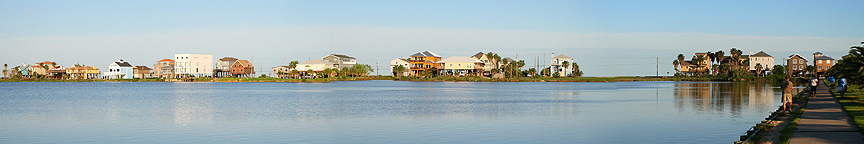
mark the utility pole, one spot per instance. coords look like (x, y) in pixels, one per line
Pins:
(658, 66)
(377, 70)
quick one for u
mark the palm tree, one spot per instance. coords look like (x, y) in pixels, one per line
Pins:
(576, 71)
(758, 69)
(720, 56)
(494, 58)
(565, 64)
(699, 59)
(676, 63)
(293, 64)
(681, 57)
(5, 66)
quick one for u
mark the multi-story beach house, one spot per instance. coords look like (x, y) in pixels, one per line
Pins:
(340, 61)
(822, 63)
(164, 68)
(763, 59)
(400, 62)
(119, 70)
(242, 68)
(282, 71)
(223, 66)
(461, 66)
(558, 65)
(197, 65)
(314, 65)
(488, 64)
(142, 72)
(82, 72)
(796, 65)
(422, 61)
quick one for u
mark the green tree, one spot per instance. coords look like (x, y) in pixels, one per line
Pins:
(566, 64)
(293, 64)
(675, 63)
(758, 69)
(495, 59)
(399, 70)
(545, 72)
(309, 72)
(5, 66)
(576, 71)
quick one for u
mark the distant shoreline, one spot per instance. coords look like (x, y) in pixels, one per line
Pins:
(434, 79)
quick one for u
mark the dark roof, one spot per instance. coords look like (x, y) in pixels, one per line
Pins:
(123, 64)
(340, 56)
(761, 54)
(686, 63)
(426, 53)
(228, 59)
(824, 58)
(817, 53)
(141, 68)
(478, 55)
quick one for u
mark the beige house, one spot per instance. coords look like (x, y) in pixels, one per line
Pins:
(142, 72)
(282, 71)
(404, 63)
(461, 66)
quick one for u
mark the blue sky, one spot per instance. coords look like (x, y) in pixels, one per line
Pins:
(632, 33)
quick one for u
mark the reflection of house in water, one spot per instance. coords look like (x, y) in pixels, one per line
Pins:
(716, 97)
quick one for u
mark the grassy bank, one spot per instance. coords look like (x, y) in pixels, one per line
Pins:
(853, 103)
(439, 78)
(551, 79)
(82, 80)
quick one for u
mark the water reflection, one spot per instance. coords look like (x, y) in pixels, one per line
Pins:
(726, 97)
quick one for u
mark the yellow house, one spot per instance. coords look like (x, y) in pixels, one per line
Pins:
(461, 66)
(82, 72)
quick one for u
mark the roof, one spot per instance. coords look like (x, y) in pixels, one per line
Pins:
(228, 59)
(315, 61)
(122, 63)
(478, 55)
(511, 60)
(46, 62)
(165, 60)
(141, 68)
(83, 68)
(793, 55)
(561, 57)
(340, 56)
(824, 58)
(456, 59)
(244, 63)
(817, 53)
(687, 63)
(761, 54)
(426, 53)
(401, 59)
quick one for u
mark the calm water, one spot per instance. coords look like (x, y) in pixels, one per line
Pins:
(382, 112)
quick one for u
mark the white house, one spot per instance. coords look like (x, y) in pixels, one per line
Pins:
(198, 65)
(761, 58)
(403, 62)
(558, 65)
(223, 66)
(488, 64)
(340, 61)
(314, 65)
(119, 70)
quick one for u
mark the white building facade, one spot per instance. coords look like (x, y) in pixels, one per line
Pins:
(404, 63)
(559, 66)
(198, 65)
(761, 58)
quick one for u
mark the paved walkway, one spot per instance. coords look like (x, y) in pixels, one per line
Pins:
(824, 121)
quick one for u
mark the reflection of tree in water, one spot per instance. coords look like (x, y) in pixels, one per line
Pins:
(715, 97)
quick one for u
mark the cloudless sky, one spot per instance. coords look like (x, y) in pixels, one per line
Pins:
(26, 26)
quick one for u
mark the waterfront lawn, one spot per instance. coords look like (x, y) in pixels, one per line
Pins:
(853, 103)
